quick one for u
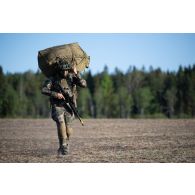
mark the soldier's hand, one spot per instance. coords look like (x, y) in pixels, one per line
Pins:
(60, 96)
(75, 69)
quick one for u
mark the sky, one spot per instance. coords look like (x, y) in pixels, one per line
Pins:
(18, 52)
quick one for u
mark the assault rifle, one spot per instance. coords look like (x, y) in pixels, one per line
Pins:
(71, 103)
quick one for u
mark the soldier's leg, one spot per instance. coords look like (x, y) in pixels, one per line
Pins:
(58, 117)
(61, 133)
(69, 117)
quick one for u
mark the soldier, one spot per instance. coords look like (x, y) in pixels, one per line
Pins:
(61, 111)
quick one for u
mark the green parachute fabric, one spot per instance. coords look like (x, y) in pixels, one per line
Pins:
(71, 53)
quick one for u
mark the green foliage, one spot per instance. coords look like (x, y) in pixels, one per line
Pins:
(107, 94)
(142, 100)
(20, 95)
(85, 103)
(136, 93)
(124, 103)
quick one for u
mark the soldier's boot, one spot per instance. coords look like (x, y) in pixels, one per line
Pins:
(63, 150)
(63, 142)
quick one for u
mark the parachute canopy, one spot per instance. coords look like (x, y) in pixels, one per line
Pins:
(71, 54)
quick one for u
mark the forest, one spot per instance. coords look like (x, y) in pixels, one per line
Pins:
(137, 93)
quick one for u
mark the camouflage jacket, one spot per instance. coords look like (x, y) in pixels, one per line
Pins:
(51, 88)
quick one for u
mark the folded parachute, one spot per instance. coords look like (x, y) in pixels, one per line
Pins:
(71, 54)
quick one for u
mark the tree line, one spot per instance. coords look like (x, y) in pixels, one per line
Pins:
(135, 93)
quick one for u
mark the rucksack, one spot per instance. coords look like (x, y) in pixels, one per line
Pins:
(72, 54)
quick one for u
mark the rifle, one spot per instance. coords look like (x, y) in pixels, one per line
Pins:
(71, 103)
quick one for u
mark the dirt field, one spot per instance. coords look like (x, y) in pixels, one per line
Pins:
(101, 140)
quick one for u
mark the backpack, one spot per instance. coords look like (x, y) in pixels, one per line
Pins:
(71, 54)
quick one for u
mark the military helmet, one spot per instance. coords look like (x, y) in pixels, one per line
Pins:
(63, 65)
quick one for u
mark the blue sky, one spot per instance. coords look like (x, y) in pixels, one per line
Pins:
(18, 52)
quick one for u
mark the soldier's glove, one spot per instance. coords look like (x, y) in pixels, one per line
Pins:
(80, 82)
(83, 83)
(68, 93)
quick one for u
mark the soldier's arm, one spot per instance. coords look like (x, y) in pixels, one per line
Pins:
(46, 89)
(79, 81)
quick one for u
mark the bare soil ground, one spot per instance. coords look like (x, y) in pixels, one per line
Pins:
(100, 140)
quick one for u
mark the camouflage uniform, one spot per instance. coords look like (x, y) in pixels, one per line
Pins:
(60, 110)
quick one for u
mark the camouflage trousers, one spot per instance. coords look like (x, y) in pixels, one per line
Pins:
(63, 116)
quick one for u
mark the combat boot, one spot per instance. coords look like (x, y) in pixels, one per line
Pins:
(63, 150)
